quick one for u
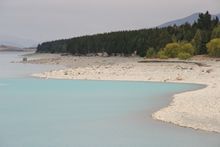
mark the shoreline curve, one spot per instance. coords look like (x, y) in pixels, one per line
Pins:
(197, 109)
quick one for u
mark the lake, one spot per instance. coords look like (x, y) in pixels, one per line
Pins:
(79, 113)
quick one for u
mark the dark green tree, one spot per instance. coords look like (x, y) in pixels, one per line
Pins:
(198, 42)
(204, 21)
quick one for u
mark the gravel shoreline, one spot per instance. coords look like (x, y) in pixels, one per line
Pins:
(198, 109)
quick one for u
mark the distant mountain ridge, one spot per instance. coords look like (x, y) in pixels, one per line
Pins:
(16, 49)
(9, 48)
(16, 42)
(189, 19)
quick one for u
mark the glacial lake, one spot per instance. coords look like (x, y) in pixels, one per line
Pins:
(79, 113)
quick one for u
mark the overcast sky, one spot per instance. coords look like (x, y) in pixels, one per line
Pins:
(54, 19)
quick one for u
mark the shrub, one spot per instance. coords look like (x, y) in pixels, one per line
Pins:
(142, 54)
(161, 54)
(214, 47)
(150, 53)
(171, 50)
(184, 56)
(216, 32)
(187, 48)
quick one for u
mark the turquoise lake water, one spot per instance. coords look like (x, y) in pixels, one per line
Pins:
(77, 113)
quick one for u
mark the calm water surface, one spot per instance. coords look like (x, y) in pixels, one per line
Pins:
(77, 113)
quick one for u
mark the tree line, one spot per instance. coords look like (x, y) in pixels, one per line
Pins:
(139, 41)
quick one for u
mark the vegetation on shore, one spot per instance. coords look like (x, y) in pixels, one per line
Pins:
(174, 41)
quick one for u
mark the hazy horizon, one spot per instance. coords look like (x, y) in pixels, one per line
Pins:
(56, 19)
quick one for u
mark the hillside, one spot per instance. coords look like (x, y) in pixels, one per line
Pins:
(9, 48)
(189, 19)
(16, 41)
(16, 49)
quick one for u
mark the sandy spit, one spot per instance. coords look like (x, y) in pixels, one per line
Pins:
(196, 109)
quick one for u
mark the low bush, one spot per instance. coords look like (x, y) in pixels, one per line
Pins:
(151, 53)
(187, 48)
(184, 56)
(161, 54)
(214, 47)
(177, 50)
(171, 50)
